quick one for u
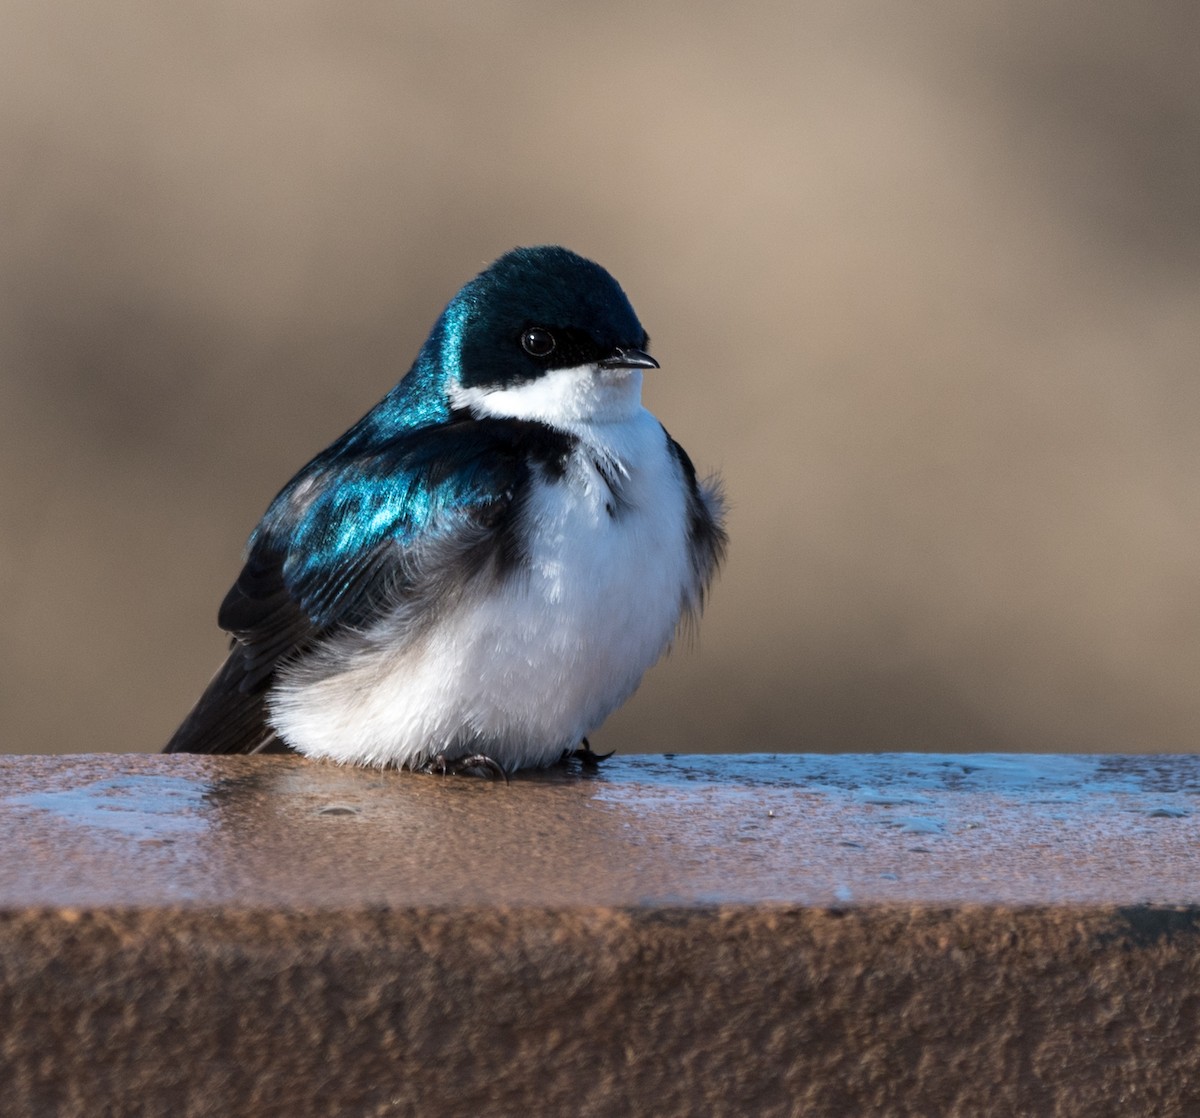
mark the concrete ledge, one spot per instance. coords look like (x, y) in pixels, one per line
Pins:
(900, 934)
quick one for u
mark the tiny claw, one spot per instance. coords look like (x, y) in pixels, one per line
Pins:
(481, 761)
(460, 765)
(587, 758)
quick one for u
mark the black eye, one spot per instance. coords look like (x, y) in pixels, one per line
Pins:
(537, 342)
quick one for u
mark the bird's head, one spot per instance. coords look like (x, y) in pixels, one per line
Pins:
(543, 334)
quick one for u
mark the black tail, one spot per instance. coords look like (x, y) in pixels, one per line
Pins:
(228, 718)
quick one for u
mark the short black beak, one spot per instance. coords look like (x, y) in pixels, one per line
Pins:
(622, 358)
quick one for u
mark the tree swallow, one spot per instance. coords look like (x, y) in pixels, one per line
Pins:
(480, 570)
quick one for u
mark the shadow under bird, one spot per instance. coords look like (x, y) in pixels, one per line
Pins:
(480, 570)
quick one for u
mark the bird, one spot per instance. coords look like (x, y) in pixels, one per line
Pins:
(480, 570)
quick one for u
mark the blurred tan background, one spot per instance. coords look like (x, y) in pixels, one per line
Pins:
(924, 279)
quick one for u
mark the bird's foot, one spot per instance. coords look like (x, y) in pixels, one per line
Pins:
(473, 763)
(587, 759)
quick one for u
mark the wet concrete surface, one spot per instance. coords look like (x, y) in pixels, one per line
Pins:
(818, 935)
(812, 830)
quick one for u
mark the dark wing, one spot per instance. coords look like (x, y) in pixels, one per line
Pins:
(706, 526)
(348, 539)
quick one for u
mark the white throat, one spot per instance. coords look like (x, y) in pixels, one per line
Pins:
(583, 394)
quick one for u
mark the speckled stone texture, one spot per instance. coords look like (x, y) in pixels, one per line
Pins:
(900, 934)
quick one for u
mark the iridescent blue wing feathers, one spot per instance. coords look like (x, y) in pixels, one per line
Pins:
(356, 535)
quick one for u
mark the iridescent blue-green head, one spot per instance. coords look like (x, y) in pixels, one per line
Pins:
(542, 333)
(535, 310)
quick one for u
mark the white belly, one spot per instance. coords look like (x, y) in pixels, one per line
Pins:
(527, 668)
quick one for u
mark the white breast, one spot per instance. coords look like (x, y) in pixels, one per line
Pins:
(524, 671)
